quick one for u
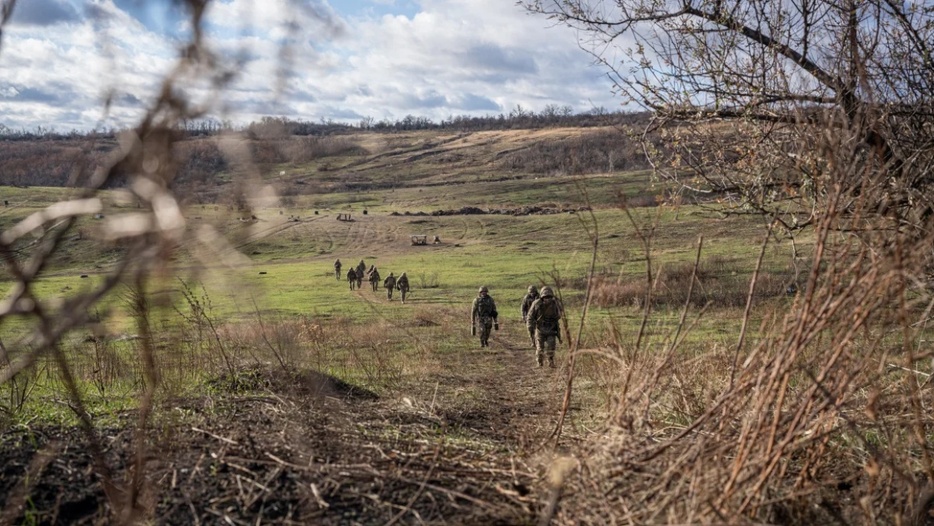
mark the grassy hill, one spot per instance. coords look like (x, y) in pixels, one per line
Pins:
(340, 406)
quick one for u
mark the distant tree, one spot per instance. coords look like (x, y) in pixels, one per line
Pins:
(549, 113)
(519, 113)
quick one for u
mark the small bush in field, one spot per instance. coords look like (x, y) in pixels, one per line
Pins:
(280, 341)
(429, 281)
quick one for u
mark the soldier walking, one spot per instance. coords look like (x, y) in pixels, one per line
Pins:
(374, 278)
(389, 284)
(361, 269)
(352, 278)
(403, 285)
(337, 269)
(527, 301)
(544, 324)
(483, 316)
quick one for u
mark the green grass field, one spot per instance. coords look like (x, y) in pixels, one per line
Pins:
(257, 285)
(244, 305)
(284, 270)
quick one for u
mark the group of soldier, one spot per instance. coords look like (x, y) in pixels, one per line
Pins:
(541, 313)
(356, 275)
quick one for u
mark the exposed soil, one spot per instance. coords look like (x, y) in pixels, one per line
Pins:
(464, 446)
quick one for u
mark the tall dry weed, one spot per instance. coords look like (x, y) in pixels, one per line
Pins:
(825, 417)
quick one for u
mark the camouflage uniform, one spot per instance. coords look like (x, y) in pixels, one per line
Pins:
(337, 269)
(483, 315)
(373, 275)
(361, 270)
(389, 283)
(527, 301)
(403, 285)
(352, 278)
(544, 322)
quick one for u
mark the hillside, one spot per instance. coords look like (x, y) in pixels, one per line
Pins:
(367, 411)
(302, 165)
(286, 182)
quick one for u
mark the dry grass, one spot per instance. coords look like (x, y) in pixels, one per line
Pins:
(822, 419)
(719, 284)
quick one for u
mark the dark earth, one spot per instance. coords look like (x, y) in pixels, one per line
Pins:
(469, 445)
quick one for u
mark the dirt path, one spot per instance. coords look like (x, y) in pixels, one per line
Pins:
(464, 444)
(461, 446)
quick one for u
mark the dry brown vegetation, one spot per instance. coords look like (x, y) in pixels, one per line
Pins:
(814, 407)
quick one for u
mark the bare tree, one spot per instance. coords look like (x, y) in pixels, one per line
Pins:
(770, 104)
(813, 113)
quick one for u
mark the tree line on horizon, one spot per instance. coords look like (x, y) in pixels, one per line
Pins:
(517, 118)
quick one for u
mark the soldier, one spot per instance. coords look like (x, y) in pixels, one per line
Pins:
(403, 285)
(361, 271)
(530, 297)
(389, 283)
(374, 278)
(352, 278)
(483, 316)
(543, 322)
(337, 269)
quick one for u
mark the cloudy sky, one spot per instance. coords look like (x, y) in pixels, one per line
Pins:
(340, 60)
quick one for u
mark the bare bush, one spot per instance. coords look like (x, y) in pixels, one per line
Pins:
(810, 114)
(818, 420)
(429, 280)
(279, 342)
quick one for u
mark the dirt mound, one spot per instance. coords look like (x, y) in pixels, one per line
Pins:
(290, 382)
(286, 447)
(320, 384)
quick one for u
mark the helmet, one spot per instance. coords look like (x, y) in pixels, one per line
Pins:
(532, 289)
(547, 292)
(484, 289)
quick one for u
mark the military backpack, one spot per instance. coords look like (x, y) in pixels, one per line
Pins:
(485, 307)
(549, 313)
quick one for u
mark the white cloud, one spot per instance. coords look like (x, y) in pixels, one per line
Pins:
(302, 59)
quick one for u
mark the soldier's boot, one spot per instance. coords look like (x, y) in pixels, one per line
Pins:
(551, 361)
(540, 360)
